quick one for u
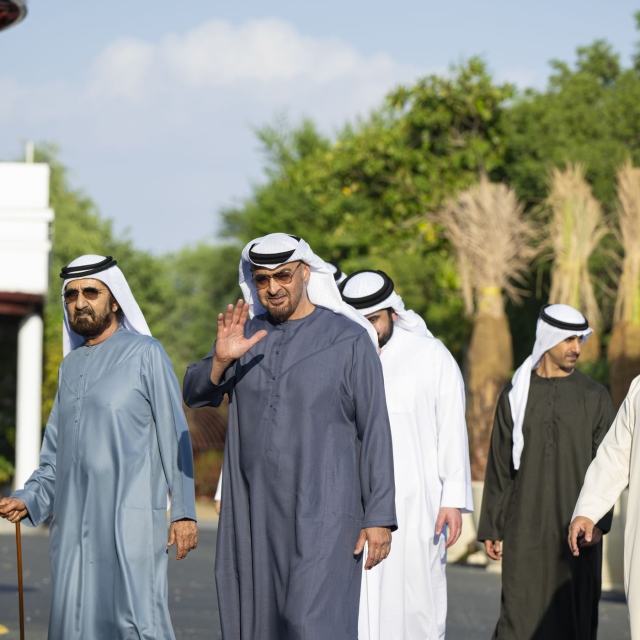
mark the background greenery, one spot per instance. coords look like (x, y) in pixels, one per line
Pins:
(365, 197)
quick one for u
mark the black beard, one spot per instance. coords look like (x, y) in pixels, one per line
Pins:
(90, 325)
(280, 315)
(385, 337)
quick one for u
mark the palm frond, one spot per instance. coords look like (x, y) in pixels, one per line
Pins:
(491, 239)
(576, 226)
(628, 301)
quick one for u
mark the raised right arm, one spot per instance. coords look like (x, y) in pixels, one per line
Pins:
(206, 382)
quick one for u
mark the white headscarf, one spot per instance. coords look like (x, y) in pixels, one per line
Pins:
(556, 323)
(338, 275)
(371, 291)
(114, 279)
(280, 248)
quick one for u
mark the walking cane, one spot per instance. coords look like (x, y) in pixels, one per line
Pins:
(20, 589)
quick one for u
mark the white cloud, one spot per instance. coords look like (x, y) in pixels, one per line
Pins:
(122, 70)
(145, 116)
(267, 53)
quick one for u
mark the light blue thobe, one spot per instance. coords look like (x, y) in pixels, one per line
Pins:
(115, 443)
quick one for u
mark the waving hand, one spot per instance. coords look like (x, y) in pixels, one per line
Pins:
(231, 343)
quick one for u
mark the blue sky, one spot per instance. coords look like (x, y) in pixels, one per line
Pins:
(153, 103)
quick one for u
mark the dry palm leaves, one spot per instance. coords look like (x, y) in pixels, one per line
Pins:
(628, 300)
(624, 348)
(576, 227)
(491, 240)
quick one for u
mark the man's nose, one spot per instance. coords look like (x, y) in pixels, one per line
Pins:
(577, 345)
(274, 287)
(81, 301)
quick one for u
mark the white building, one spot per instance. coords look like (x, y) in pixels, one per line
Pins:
(25, 220)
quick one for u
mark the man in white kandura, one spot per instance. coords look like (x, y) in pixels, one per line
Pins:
(406, 596)
(608, 475)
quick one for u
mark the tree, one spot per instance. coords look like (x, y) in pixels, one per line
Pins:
(202, 281)
(575, 229)
(624, 348)
(490, 236)
(361, 200)
(78, 229)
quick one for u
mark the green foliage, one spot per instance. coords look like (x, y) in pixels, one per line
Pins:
(207, 467)
(8, 360)
(202, 280)
(363, 199)
(78, 229)
(589, 113)
(597, 370)
(6, 470)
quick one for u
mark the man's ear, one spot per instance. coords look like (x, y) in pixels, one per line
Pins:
(394, 316)
(306, 271)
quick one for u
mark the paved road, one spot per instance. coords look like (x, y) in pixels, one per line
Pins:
(474, 596)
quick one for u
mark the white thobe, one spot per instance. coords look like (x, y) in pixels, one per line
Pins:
(608, 475)
(405, 597)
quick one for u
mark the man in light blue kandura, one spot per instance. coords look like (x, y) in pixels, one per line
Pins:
(115, 444)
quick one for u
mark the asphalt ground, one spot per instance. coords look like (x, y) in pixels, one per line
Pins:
(474, 595)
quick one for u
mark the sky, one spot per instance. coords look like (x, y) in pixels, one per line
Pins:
(154, 104)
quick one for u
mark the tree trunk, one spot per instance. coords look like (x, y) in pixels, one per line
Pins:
(591, 348)
(489, 362)
(624, 359)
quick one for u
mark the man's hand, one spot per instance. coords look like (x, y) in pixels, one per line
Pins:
(185, 534)
(230, 341)
(583, 533)
(13, 509)
(453, 518)
(378, 541)
(493, 549)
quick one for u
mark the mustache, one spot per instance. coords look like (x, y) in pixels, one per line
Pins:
(85, 312)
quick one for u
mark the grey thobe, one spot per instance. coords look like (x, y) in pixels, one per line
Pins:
(547, 594)
(308, 464)
(115, 443)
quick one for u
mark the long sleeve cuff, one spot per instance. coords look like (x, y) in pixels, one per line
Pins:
(593, 507)
(390, 522)
(35, 515)
(183, 513)
(457, 495)
(198, 390)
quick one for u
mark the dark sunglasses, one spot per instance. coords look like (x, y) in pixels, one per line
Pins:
(89, 293)
(281, 277)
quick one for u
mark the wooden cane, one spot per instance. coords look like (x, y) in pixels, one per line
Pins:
(20, 589)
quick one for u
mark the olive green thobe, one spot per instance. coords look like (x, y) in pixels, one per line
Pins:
(546, 592)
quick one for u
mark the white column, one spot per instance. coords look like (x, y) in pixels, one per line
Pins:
(29, 398)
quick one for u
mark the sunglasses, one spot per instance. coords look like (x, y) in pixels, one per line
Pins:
(88, 293)
(281, 277)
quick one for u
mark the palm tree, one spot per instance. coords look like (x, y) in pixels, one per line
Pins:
(624, 349)
(490, 237)
(576, 226)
